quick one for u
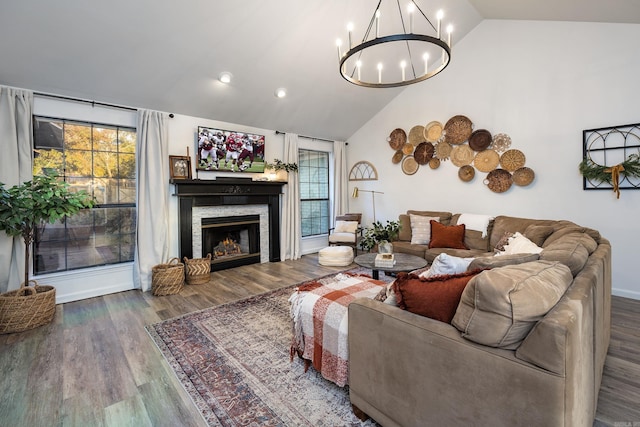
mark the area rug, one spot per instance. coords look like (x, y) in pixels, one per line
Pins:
(234, 362)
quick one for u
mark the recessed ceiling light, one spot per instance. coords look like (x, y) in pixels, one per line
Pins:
(225, 77)
(281, 92)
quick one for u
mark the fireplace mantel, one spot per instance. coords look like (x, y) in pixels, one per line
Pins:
(224, 192)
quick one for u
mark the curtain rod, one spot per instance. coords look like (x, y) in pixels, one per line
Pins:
(307, 137)
(86, 101)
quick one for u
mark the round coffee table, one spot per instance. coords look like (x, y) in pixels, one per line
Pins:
(404, 262)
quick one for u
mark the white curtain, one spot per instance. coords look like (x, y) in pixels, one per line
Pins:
(152, 188)
(340, 186)
(16, 146)
(291, 231)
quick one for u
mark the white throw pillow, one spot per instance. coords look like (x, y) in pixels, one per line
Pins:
(447, 264)
(346, 226)
(421, 229)
(518, 244)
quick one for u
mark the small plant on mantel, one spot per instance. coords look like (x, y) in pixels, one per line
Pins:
(279, 165)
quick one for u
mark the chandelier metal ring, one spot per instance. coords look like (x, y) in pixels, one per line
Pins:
(388, 39)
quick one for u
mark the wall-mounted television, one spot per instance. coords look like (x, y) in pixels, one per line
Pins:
(229, 151)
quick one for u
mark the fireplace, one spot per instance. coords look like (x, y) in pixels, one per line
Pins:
(228, 197)
(232, 241)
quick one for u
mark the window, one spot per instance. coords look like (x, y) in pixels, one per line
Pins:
(99, 159)
(314, 192)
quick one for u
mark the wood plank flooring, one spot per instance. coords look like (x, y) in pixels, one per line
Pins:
(95, 365)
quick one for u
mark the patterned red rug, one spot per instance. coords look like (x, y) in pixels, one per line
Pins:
(234, 362)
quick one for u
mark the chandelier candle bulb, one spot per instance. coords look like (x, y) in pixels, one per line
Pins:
(380, 72)
(426, 63)
(339, 43)
(359, 65)
(350, 30)
(449, 31)
(439, 16)
(403, 64)
(410, 9)
(377, 22)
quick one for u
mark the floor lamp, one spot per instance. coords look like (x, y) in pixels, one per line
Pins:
(357, 191)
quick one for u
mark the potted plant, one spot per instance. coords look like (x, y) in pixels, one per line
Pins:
(277, 166)
(380, 235)
(23, 208)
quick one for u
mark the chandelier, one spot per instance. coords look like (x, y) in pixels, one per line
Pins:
(402, 58)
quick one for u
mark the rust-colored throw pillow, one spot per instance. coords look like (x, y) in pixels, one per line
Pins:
(447, 236)
(436, 297)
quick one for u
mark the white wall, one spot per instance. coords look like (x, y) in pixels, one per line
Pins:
(542, 83)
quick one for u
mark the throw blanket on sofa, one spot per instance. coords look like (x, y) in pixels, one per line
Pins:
(319, 315)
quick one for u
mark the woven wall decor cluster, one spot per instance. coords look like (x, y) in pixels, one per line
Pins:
(468, 149)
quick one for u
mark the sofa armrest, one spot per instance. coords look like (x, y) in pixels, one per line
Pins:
(409, 370)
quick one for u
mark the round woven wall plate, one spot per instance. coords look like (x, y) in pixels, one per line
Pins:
(466, 173)
(443, 150)
(397, 139)
(416, 135)
(423, 153)
(462, 155)
(486, 160)
(458, 129)
(407, 149)
(434, 163)
(500, 142)
(499, 180)
(480, 139)
(433, 131)
(397, 157)
(512, 160)
(523, 176)
(409, 165)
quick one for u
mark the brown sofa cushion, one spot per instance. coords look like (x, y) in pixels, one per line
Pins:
(447, 236)
(488, 262)
(538, 233)
(499, 307)
(571, 249)
(436, 297)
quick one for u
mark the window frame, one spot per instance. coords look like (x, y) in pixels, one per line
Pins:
(328, 199)
(106, 206)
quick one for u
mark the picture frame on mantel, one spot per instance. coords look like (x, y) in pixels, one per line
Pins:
(180, 167)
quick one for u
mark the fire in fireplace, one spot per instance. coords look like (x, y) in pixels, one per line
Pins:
(232, 241)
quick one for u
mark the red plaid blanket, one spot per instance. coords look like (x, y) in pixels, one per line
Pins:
(319, 315)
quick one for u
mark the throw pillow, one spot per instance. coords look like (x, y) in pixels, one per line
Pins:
(346, 226)
(447, 264)
(499, 307)
(435, 297)
(518, 244)
(447, 236)
(503, 241)
(421, 229)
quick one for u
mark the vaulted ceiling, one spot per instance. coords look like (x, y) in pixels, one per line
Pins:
(167, 55)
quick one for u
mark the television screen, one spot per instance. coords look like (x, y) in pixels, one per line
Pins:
(229, 151)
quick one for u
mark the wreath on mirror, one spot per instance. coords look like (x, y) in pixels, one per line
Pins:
(593, 171)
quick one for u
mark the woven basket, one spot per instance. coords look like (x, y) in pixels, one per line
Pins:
(27, 308)
(167, 279)
(197, 270)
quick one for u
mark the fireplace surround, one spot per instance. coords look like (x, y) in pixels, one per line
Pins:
(228, 197)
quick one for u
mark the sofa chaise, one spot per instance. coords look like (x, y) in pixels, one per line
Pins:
(411, 370)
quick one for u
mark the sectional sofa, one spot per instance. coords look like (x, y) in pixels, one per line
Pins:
(501, 361)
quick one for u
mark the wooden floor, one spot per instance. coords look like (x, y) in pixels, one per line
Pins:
(95, 365)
